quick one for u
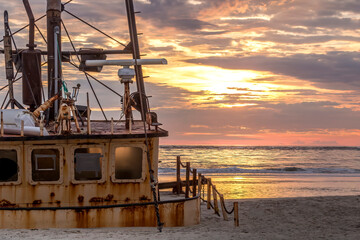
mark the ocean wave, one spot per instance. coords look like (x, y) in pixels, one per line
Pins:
(267, 170)
(171, 147)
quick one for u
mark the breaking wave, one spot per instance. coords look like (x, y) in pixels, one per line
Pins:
(287, 170)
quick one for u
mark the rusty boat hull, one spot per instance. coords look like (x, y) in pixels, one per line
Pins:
(68, 202)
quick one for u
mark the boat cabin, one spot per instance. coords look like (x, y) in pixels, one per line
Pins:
(59, 168)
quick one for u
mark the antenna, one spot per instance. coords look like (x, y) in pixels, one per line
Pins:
(126, 74)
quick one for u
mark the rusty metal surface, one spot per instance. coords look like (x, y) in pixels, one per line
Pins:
(173, 214)
(97, 54)
(70, 193)
(67, 191)
(32, 85)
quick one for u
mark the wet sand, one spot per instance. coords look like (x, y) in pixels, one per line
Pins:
(292, 218)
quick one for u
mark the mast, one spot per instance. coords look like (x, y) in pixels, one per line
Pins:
(54, 42)
(135, 50)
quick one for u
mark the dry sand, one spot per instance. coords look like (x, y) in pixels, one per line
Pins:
(293, 218)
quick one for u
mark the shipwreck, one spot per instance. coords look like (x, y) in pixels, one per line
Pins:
(58, 167)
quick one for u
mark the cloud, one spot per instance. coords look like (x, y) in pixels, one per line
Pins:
(333, 70)
(306, 51)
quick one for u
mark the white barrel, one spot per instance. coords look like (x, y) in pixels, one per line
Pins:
(28, 131)
(125, 62)
(14, 117)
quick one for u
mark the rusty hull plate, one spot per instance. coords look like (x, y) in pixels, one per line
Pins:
(173, 214)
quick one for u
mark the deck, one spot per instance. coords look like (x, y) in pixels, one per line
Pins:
(99, 130)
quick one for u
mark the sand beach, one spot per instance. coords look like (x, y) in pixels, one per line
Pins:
(335, 217)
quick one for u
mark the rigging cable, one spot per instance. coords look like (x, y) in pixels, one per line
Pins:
(40, 33)
(19, 30)
(87, 78)
(94, 28)
(7, 94)
(38, 19)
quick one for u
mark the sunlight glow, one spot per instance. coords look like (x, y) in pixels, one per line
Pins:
(256, 17)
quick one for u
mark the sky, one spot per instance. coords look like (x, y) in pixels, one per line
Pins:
(240, 72)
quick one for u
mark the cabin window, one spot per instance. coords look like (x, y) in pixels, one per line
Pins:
(8, 166)
(128, 163)
(45, 164)
(87, 163)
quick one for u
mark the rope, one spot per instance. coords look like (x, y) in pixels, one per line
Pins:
(7, 94)
(67, 2)
(97, 80)
(40, 33)
(8, 84)
(203, 197)
(77, 55)
(227, 211)
(211, 205)
(97, 99)
(216, 191)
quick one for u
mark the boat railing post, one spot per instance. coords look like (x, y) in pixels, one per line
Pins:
(194, 182)
(236, 214)
(88, 114)
(41, 123)
(22, 128)
(208, 192)
(187, 180)
(112, 126)
(178, 178)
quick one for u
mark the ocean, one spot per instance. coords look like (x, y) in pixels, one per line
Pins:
(269, 172)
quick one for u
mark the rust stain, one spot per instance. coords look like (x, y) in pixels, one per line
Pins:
(109, 197)
(96, 199)
(82, 218)
(36, 202)
(52, 194)
(179, 214)
(80, 198)
(6, 203)
(144, 198)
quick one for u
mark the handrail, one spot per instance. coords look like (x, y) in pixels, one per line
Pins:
(200, 183)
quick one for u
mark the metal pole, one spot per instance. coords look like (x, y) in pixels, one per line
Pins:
(135, 50)
(53, 19)
(56, 67)
(31, 44)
